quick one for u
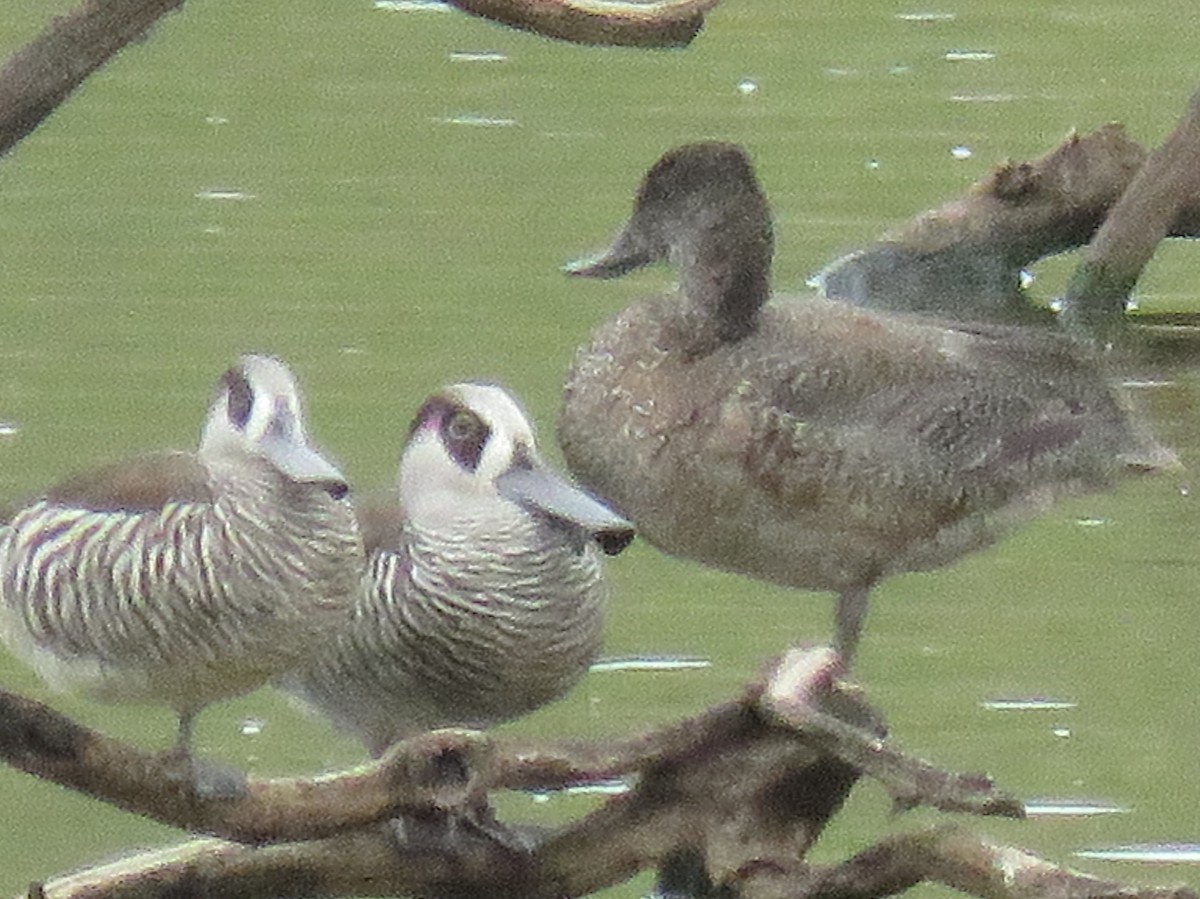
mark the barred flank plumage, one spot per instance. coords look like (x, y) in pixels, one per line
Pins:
(465, 629)
(184, 604)
(183, 578)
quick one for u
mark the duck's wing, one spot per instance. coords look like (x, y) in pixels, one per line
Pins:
(903, 423)
(140, 484)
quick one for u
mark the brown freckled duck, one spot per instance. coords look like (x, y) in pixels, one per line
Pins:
(484, 597)
(185, 578)
(804, 441)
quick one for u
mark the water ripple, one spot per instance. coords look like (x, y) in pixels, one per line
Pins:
(221, 193)
(1155, 853)
(479, 121)
(614, 787)
(651, 663)
(478, 56)
(1027, 704)
(969, 56)
(413, 5)
(1072, 808)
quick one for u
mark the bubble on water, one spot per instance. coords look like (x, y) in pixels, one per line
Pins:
(1062, 733)
(961, 152)
(747, 86)
(9, 429)
(925, 16)
(251, 727)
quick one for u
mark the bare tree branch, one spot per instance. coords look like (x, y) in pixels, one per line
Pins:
(755, 779)
(426, 772)
(47, 70)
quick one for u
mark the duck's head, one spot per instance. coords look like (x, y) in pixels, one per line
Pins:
(257, 415)
(701, 208)
(471, 447)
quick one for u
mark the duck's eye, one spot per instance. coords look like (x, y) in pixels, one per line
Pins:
(465, 436)
(239, 398)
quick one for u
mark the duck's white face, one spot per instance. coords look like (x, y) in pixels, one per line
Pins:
(472, 456)
(463, 439)
(257, 414)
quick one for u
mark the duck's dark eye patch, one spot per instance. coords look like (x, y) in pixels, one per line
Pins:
(239, 397)
(464, 435)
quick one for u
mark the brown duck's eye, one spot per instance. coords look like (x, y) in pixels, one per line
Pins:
(239, 397)
(464, 435)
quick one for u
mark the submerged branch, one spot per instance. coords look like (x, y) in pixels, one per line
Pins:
(965, 259)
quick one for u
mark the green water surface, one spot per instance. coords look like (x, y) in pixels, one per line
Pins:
(332, 183)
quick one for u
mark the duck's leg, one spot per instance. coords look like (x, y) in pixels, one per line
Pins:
(210, 780)
(183, 740)
(852, 605)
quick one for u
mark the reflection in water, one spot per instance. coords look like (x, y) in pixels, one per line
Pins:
(1158, 853)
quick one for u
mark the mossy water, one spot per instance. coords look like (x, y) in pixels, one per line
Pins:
(385, 198)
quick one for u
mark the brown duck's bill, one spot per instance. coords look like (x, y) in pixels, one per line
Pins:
(626, 254)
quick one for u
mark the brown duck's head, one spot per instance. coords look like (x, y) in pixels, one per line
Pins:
(701, 208)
